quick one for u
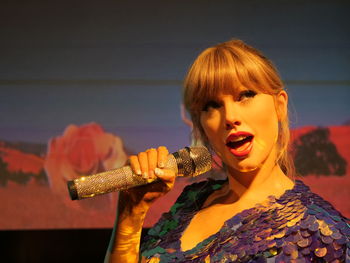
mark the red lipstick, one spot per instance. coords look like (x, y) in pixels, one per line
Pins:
(240, 143)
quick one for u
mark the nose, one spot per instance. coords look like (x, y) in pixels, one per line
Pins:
(232, 116)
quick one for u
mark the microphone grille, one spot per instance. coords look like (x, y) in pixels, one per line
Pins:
(201, 159)
(193, 161)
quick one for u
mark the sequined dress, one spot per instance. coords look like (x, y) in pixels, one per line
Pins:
(297, 227)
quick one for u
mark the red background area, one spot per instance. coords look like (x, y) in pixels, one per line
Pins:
(35, 205)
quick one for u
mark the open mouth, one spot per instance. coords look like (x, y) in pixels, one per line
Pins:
(239, 142)
(240, 145)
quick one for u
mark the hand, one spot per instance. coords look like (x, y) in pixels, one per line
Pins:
(150, 165)
(135, 202)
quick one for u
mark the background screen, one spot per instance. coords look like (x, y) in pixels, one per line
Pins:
(84, 85)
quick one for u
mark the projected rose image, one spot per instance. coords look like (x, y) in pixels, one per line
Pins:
(80, 151)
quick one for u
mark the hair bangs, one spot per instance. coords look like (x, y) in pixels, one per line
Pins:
(221, 70)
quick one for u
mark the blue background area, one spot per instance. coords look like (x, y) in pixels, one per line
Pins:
(121, 64)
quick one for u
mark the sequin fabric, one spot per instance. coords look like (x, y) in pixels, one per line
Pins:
(297, 227)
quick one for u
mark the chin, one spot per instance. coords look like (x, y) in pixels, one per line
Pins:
(246, 169)
(246, 165)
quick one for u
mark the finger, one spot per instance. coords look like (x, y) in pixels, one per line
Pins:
(166, 175)
(162, 156)
(142, 156)
(152, 162)
(135, 165)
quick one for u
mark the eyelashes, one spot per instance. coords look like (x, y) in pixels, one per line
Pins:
(243, 95)
(211, 104)
(246, 94)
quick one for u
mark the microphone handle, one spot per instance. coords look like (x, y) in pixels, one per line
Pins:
(111, 181)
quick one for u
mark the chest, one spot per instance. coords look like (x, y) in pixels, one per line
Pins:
(206, 223)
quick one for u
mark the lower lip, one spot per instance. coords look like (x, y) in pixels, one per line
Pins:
(244, 152)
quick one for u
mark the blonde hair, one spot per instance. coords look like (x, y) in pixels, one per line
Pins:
(225, 68)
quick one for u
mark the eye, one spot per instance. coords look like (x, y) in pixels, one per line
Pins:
(246, 94)
(211, 104)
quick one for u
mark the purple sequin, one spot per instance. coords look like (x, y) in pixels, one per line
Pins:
(297, 227)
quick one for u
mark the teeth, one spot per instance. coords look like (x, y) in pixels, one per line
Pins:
(239, 138)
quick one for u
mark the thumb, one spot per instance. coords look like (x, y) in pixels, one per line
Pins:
(166, 175)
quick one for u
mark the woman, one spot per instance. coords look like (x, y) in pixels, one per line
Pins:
(239, 110)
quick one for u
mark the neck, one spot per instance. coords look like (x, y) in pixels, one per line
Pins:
(260, 183)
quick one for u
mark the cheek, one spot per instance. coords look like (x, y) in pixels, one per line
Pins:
(269, 129)
(267, 118)
(210, 123)
(265, 124)
(211, 127)
(209, 132)
(263, 113)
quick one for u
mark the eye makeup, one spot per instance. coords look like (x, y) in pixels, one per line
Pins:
(246, 94)
(210, 104)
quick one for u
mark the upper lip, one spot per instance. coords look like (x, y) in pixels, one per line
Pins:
(234, 136)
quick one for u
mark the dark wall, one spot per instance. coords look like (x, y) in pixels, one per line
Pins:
(42, 246)
(54, 245)
(56, 47)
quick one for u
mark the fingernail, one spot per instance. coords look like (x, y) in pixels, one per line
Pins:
(161, 165)
(158, 171)
(145, 175)
(138, 172)
(151, 174)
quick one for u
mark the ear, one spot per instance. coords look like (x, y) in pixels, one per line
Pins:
(282, 105)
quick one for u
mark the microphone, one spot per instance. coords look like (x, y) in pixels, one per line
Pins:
(189, 161)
